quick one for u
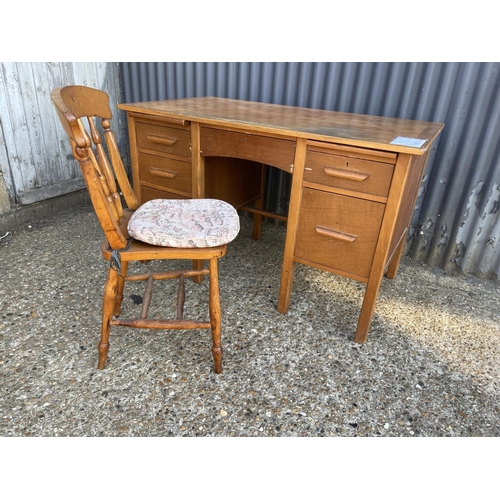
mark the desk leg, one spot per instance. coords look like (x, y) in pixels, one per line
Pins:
(365, 317)
(286, 286)
(392, 270)
(259, 204)
(198, 265)
(392, 209)
(291, 227)
(198, 182)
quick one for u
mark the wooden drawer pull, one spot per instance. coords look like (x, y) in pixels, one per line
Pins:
(336, 235)
(346, 174)
(158, 139)
(169, 174)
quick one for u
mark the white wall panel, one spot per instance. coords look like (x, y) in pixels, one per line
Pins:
(35, 156)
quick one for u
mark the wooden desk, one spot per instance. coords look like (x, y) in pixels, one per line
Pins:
(353, 189)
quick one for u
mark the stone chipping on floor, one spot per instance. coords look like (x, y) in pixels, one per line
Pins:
(430, 367)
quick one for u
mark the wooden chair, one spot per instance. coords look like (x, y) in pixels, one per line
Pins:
(196, 230)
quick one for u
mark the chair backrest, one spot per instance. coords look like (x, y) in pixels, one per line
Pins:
(101, 171)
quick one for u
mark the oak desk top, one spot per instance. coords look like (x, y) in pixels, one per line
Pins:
(352, 129)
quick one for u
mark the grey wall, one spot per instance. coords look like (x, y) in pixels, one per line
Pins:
(456, 222)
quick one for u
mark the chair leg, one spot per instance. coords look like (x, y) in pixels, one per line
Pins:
(119, 288)
(108, 308)
(215, 316)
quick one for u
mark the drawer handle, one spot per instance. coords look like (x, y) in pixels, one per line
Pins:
(169, 174)
(158, 139)
(336, 235)
(346, 174)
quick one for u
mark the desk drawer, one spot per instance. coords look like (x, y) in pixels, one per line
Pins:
(164, 139)
(346, 172)
(166, 173)
(272, 151)
(338, 232)
(148, 194)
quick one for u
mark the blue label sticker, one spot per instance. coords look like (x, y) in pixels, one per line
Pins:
(408, 141)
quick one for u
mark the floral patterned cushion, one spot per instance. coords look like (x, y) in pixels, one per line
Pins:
(185, 223)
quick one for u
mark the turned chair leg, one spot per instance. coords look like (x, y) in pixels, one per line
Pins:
(215, 316)
(108, 308)
(119, 288)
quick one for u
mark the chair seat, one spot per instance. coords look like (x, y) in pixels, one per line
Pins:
(197, 223)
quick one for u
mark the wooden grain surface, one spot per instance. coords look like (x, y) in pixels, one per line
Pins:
(345, 128)
(35, 157)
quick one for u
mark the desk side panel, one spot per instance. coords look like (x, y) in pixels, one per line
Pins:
(410, 192)
(134, 156)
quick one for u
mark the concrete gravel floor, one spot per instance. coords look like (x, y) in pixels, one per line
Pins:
(430, 367)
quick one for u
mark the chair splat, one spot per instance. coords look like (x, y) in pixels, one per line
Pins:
(102, 161)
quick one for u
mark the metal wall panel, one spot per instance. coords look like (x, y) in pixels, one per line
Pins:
(455, 223)
(35, 155)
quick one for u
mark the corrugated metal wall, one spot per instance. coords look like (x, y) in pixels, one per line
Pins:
(35, 155)
(456, 222)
